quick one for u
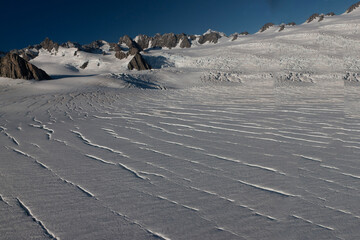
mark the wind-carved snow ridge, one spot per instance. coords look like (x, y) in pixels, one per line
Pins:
(34, 218)
(86, 192)
(3, 130)
(2, 199)
(123, 166)
(88, 142)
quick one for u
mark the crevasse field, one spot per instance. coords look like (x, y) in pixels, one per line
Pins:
(252, 139)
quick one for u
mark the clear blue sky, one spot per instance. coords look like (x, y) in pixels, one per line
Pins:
(29, 22)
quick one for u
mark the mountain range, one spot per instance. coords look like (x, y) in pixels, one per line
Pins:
(171, 51)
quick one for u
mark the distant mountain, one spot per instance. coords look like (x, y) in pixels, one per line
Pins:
(131, 50)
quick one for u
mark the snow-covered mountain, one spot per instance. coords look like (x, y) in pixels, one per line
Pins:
(324, 47)
(256, 136)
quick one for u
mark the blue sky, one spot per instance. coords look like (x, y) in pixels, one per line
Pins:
(29, 22)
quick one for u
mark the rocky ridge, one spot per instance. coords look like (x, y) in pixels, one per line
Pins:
(14, 66)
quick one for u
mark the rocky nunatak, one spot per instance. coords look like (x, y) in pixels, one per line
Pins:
(14, 66)
(138, 63)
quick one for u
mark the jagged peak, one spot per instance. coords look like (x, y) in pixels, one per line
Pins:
(353, 7)
(266, 27)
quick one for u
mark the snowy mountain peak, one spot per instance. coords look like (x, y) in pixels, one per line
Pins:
(353, 7)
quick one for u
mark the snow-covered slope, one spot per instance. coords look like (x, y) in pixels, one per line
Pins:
(324, 49)
(257, 139)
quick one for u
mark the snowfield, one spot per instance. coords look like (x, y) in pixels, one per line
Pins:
(256, 138)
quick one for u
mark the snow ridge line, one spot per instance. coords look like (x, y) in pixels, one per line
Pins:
(153, 233)
(3, 129)
(41, 224)
(2, 199)
(88, 142)
(86, 192)
(123, 166)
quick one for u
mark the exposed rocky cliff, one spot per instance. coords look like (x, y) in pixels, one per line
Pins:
(13, 66)
(138, 63)
(353, 7)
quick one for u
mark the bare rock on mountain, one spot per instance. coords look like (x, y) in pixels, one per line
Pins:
(312, 17)
(131, 44)
(211, 37)
(192, 37)
(353, 7)
(13, 66)
(138, 63)
(184, 40)
(143, 41)
(69, 44)
(120, 54)
(330, 14)
(49, 45)
(94, 47)
(266, 27)
(291, 24)
(169, 40)
(282, 27)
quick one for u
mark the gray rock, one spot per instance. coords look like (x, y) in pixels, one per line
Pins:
(84, 65)
(312, 17)
(169, 40)
(291, 24)
(184, 41)
(330, 14)
(211, 37)
(282, 27)
(120, 54)
(69, 44)
(353, 7)
(94, 47)
(131, 44)
(13, 66)
(192, 37)
(143, 41)
(138, 63)
(49, 45)
(266, 27)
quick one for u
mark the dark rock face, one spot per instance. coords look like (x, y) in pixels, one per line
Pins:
(69, 44)
(131, 44)
(120, 54)
(321, 17)
(312, 17)
(168, 40)
(282, 27)
(84, 65)
(143, 41)
(291, 24)
(330, 14)
(211, 37)
(138, 63)
(94, 47)
(266, 27)
(13, 66)
(353, 7)
(49, 45)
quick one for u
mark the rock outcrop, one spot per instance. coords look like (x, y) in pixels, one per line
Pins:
(312, 17)
(13, 66)
(49, 45)
(353, 7)
(138, 63)
(330, 14)
(266, 27)
(211, 37)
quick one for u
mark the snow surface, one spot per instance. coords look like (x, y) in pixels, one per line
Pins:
(253, 139)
